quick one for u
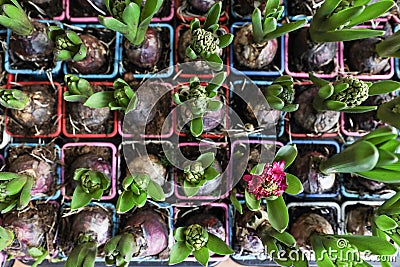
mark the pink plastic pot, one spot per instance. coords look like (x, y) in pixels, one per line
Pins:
(152, 135)
(225, 176)
(295, 74)
(302, 134)
(220, 210)
(180, 29)
(344, 69)
(186, 16)
(167, 8)
(210, 134)
(56, 130)
(113, 161)
(66, 123)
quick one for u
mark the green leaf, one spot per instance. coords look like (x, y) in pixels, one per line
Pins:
(235, 202)
(25, 196)
(131, 15)
(326, 9)
(335, 105)
(74, 98)
(252, 203)
(358, 157)
(15, 186)
(140, 200)
(278, 214)
(275, 102)
(179, 252)
(344, 35)
(287, 153)
(179, 234)
(225, 40)
(125, 202)
(202, 256)
(206, 159)
(372, 11)
(382, 175)
(194, 24)
(383, 87)
(215, 62)
(213, 15)
(273, 89)
(269, 25)
(375, 245)
(359, 109)
(196, 126)
(326, 91)
(258, 169)
(340, 18)
(214, 105)
(35, 252)
(4, 176)
(150, 8)
(218, 246)
(189, 189)
(386, 158)
(6, 238)
(321, 254)
(385, 223)
(284, 237)
(211, 173)
(114, 24)
(290, 107)
(191, 54)
(285, 28)
(155, 191)
(80, 198)
(216, 82)
(77, 256)
(295, 186)
(100, 99)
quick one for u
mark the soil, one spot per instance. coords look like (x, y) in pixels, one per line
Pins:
(73, 152)
(368, 121)
(358, 219)
(305, 55)
(301, 168)
(213, 187)
(68, 235)
(244, 8)
(152, 149)
(213, 218)
(306, 118)
(29, 158)
(163, 62)
(302, 7)
(154, 116)
(89, 120)
(51, 8)
(40, 116)
(107, 39)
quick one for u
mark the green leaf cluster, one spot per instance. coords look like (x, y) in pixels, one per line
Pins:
(13, 17)
(374, 156)
(91, 185)
(15, 191)
(136, 189)
(78, 89)
(67, 44)
(182, 248)
(13, 99)
(120, 249)
(129, 18)
(389, 112)
(390, 46)
(83, 255)
(6, 238)
(267, 28)
(280, 94)
(334, 19)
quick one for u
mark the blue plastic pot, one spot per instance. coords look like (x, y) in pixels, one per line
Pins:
(58, 182)
(257, 73)
(114, 65)
(163, 73)
(39, 72)
(327, 195)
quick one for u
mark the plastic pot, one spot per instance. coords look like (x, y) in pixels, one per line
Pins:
(182, 214)
(108, 149)
(10, 62)
(163, 68)
(15, 130)
(238, 107)
(57, 170)
(200, 69)
(185, 15)
(33, 12)
(288, 60)
(106, 36)
(111, 124)
(219, 187)
(321, 146)
(275, 68)
(385, 74)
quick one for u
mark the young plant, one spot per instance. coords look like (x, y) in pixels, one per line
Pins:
(204, 42)
(143, 226)
(374, 156)
(13, 16)
(280, 94)
(348, 93)
(91, 185)
(13, 99)
(196, 239)
(200, 99)
(122, 98)
(129, 18)
(389, 112)
(259, 51)
(334, 19)
(15, 191)
(137, 188)
(198, 173)
(79, 90)
(269, 181)
(390, 47)
(67, 44)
